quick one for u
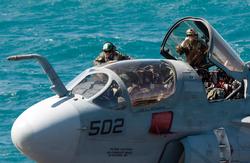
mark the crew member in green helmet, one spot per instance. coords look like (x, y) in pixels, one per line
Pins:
(109, 54)
(194, 49)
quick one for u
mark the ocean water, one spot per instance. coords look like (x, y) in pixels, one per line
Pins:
(70, 34)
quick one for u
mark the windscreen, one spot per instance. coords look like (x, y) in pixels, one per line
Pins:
(91, 85)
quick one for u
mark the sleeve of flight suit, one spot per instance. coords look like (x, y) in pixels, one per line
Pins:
(99, 59)
(121, 56)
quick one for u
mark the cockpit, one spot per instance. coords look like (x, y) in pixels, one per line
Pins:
(195, 41)
(217, 52)
(142, 82)
(146, 82)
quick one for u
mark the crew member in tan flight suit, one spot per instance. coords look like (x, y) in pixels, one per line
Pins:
(109, 54)
(194, 49)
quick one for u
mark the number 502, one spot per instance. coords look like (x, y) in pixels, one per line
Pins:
(106, 127)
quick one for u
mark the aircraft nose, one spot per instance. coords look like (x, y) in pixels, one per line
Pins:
(21, 135)
(47, 131)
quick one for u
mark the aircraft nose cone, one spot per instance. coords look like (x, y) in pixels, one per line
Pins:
(21, 135)
(48, 132)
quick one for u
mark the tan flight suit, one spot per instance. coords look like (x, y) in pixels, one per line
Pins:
(114, 56)
(195, 52)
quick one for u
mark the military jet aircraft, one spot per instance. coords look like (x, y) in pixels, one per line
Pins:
(145, 110)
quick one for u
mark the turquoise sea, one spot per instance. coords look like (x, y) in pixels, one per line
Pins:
(70, 33)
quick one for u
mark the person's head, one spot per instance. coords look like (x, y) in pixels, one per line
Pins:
(191, 34)
(108, 47)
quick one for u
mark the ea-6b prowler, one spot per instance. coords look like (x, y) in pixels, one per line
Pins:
(145, 110)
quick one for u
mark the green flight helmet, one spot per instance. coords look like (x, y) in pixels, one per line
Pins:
(108, 46)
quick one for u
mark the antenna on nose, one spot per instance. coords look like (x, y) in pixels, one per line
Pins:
(57, 85)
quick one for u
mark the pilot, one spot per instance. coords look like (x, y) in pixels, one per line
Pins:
(194, 48)
(109, 54)
(146, 76)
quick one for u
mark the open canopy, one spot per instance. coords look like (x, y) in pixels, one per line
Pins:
(218, 51)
